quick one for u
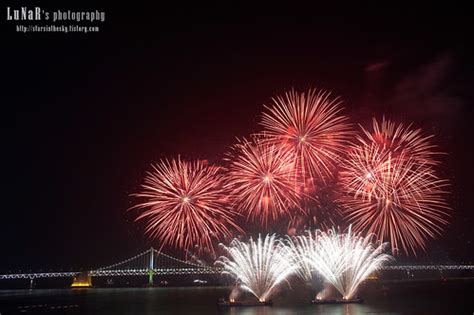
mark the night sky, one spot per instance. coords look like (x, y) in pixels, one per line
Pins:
(84, 115)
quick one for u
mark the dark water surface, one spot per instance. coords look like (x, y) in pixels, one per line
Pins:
(431, 297)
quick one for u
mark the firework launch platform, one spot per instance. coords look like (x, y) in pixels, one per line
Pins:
(227, 303)
(338, 301)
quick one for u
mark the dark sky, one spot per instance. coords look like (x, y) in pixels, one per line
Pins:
(85, 114)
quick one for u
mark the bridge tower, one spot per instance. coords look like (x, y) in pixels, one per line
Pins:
(151, 267)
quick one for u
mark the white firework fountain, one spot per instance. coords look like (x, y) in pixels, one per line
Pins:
(259, 266)
(345, 260)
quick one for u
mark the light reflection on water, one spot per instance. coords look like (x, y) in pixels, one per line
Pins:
(432, 298)
(312, 309)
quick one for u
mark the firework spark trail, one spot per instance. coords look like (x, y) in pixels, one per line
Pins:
(344, 260)
(259, 265)
(261, 181)
(300, 246)
(186, 205)
(400, 139)
(322, 209)
(393, 191)
(310, 126)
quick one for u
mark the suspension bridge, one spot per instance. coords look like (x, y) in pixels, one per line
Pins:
(148, 263)
(152, 263)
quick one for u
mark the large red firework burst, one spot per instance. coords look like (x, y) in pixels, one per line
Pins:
(393, 190)
(310, 126)
(186, 205)
(261, 179)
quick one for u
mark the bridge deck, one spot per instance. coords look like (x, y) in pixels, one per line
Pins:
(154, 262)
(198, 271)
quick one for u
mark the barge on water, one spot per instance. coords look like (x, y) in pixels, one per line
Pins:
(232, 303)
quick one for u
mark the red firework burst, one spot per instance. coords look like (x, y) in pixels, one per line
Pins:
(393, 190)
(261, 179)
(310, 126)
(401, 139)
(186, 204)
